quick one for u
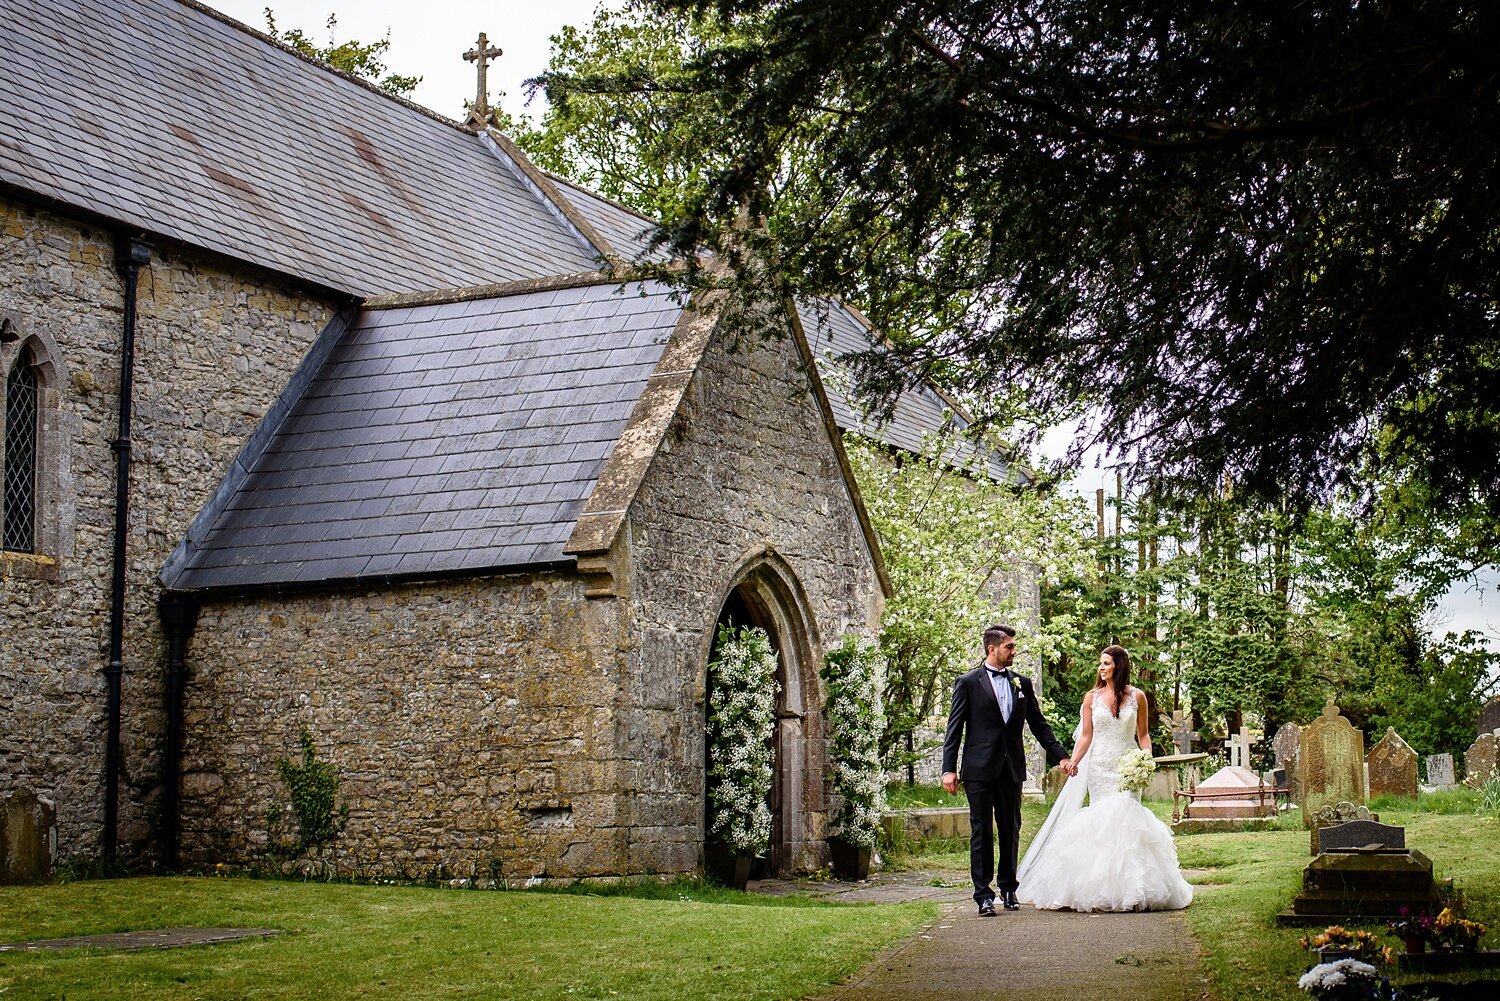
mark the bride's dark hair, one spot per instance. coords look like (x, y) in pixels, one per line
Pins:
(1120, 680)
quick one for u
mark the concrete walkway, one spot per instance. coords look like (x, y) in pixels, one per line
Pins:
(157, 938)
(1027, 954)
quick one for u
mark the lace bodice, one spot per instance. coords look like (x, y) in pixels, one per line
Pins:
(1113, 736)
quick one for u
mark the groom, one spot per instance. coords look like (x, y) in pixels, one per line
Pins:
(990, 704)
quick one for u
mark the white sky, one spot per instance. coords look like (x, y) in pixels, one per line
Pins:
(429, 40)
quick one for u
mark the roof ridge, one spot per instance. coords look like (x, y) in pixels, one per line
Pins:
(536, 179)
(603, 198)
(369, 85)
(499, 290)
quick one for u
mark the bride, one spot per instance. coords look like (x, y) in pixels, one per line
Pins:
(1114, 854)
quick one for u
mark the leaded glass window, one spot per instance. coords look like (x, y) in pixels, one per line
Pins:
(19, 492)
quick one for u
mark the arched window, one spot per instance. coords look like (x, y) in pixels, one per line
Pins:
(18, 495)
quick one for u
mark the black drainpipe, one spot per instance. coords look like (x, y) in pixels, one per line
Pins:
(131, 254)
(178, 613)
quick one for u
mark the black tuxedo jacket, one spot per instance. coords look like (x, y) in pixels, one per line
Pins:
(992, 750)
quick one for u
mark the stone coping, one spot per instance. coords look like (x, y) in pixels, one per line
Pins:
(155, 938)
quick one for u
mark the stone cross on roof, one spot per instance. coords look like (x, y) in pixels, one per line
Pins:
(481, 54)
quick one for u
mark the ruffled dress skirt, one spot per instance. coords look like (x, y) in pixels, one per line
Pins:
(1113, 855)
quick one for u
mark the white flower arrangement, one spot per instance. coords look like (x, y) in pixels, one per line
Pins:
(741, 724)
(1341, 978)
(1136, 769)
(854, 673)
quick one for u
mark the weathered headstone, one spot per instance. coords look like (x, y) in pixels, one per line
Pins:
(1371, 886)
(1052, 782)
(28, 838)
(1440, 771)
(1182, 731)
(1232, 793)
(1393, 766)
(1284, 746)
(1360, 834)
(1479, 760)
(1489, 716)
(1332, 758)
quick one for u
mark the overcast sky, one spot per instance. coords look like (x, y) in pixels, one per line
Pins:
(429, 40)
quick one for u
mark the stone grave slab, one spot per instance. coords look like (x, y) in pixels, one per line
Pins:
(1358, 834)
(156, 938)
(1489, 717)
(1440, 771)
(1331, 758)
(28, 838)
(1370, 886)
(1479, 760)
(1232, 793)
(1333, 814)
(1393, 766)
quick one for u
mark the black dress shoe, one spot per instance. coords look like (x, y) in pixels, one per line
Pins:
(987, 909)
(1008, 898)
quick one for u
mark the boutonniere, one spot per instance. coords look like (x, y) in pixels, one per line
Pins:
(1015, 683)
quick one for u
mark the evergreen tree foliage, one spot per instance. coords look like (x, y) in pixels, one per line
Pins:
(353, 57)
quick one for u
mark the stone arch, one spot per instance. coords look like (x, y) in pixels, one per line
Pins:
(764, 591)
(23, 344)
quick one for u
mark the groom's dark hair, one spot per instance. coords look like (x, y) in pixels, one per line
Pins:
(994, 635)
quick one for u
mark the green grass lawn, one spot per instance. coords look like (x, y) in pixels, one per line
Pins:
(1249, 877)
(403, 942)
(1254, 875)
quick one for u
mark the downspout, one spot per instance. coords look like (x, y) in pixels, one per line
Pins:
(131, 254)
(178, 614)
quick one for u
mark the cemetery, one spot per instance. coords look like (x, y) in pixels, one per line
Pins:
(469, 550)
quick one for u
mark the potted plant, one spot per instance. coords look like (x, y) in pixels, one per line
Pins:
(1415, 930)
(741, 724)
(854, 676)
(1337, 942)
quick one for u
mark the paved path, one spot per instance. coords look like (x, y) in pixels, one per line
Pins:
(1027, 954)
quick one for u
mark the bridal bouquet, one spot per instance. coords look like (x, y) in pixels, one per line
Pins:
(1136, 767)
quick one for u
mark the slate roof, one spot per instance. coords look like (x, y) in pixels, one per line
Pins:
(172, 118)
(628, 231)
(919, 412)
(440, 439)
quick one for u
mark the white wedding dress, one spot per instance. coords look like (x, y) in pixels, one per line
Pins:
(1112, 855)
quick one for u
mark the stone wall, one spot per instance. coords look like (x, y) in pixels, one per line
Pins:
(747, 476)
(216, 344)
(472, 725)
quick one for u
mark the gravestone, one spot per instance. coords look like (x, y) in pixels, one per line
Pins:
(1440, 771)
(1393, 766)
(28, 838)
(1284, 747)
(1357, 834)
(1371, 886)
(1479, 760)
(1052, 782)
(1232, 793)
(1331, 753)
(1181, 728)
(1240, 746)
(1489, 716)
(1332, 815)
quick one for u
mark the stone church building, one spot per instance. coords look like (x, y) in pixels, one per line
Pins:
(325, 413)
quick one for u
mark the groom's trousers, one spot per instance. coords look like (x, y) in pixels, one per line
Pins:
(994, 808)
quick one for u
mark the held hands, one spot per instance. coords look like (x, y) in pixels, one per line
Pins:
(1066, 764)
(950, 783)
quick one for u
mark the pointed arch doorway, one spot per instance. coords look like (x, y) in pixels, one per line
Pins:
(766, 594)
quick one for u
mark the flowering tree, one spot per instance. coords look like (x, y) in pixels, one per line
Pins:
(741, 722)
(854, 673)
(957, 548)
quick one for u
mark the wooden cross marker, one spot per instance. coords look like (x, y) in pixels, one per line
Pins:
(482, 54)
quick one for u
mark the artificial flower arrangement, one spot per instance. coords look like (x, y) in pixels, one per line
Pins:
(1344, 978)
(1446, 931)
(1136, 768)
(1361, 945)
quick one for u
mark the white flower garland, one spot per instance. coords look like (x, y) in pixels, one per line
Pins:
(1136, 768)
(854, 673)
(741, 724)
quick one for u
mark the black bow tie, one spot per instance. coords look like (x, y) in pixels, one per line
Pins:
(997, 674)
